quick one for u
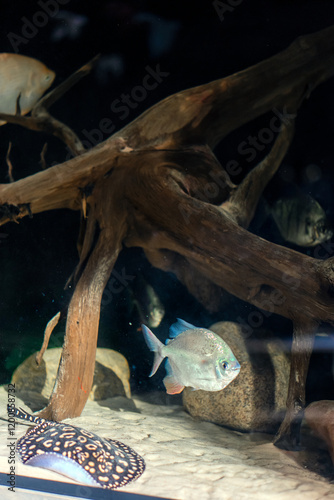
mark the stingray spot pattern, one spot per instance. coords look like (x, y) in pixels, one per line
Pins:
(77, 453)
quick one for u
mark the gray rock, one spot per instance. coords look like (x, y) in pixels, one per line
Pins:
(319, 416)
(255, 399)
(111, 375)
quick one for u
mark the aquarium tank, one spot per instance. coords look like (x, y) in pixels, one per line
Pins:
(167, 249)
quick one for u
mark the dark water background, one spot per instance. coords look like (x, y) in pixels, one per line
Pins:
(39, 254)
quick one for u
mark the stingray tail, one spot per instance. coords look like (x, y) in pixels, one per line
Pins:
(154, 345)
(22, 414)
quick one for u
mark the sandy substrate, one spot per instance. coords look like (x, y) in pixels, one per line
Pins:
(185, 459)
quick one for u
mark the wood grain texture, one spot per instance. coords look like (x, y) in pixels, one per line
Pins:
(156, 184)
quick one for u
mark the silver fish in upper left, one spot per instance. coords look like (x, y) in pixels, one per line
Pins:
(197, 358)
(22, 78)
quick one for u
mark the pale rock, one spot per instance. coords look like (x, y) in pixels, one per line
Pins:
(111, 375)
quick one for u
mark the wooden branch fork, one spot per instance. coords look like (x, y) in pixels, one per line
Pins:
(156, 184)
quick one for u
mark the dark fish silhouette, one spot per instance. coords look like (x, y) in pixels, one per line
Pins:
(301, 220)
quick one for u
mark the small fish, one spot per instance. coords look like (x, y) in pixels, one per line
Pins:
(301, 220)
(68, 26)
(197, 358)
(108, 67)
(23, 80)
(145, 299)
(312, 173)
(77, 453)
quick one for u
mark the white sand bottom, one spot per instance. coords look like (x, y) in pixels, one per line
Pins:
(185, 459)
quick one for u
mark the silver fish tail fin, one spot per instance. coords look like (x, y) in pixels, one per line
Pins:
(154, 345)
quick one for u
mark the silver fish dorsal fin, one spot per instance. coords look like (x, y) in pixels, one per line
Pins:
(179, 327)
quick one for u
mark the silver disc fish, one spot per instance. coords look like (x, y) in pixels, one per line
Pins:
(77, 453)
(301, 220)
(146, 300)
(23, 81)
(197, 358)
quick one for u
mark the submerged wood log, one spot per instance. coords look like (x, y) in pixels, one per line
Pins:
(156, 184)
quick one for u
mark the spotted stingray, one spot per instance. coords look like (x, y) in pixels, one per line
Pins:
(78, 454)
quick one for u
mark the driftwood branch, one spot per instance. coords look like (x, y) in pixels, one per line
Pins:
(208, 113)
(303, 338)
(244, 200)
(9, 163)
(271, 277)
(51, 97)
(157, 184)
(47, 334)
(76, 369)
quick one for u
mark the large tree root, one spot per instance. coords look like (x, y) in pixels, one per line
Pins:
(157, 184)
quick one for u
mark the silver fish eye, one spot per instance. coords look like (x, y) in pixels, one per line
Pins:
(224, 365)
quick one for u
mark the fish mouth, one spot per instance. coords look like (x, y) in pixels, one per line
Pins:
(236, 367)
(322, 231)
